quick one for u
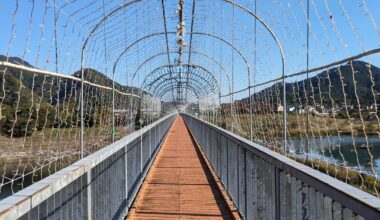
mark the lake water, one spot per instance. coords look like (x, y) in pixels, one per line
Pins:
(336, 150)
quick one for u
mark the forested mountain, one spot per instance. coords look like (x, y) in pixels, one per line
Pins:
(32, 98)
(329, 85)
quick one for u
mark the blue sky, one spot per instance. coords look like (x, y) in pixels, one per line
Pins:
(339, 29)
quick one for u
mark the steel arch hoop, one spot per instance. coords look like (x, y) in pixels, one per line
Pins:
(166, 90)
(197, 87)
(191, 65)
(104, 19)
(196, 33)
(136, 1)
(266, 27)
(283, 68)
(193, 84)
(82, 70)
(161, 76)
(168, 87)
(165, 94)
(159, 87)
(169, 84)
(195, 52)
(123, 6)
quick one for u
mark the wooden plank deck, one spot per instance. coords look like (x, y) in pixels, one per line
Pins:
(180, 184)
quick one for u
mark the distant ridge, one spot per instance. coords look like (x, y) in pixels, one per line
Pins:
(39, 90)
(319, 86)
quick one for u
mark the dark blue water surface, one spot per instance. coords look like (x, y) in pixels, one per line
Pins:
(344, 150)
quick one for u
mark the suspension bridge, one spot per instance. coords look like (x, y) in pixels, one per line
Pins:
(189, 109)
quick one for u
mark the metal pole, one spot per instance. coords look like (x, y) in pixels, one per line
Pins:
(277, 204)
(81, 109)
(59, 88)
(113, 107)
(254, 61)
(284, 110)
(307, 79)
(250, 113)
(233, 69)
(282, 62)
(109, 15)
(167, 44)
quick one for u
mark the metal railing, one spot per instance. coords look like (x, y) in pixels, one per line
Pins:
(100, 186)
(264, 184)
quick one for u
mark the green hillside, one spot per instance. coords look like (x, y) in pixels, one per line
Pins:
(29, 101)
(329, 85)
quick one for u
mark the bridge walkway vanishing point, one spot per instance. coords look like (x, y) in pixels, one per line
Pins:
(180, 184)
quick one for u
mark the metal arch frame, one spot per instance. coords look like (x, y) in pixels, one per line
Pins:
(191, 65)
(191, 39)
(194, 52)
(203, 34)
(227, 1)
(168, 87)
(123, 6)
(166, 96)
(166, 37)
(131, 45)
(197, 86)
(164, 92)
(165, 33)
(199, 77)
(82, 72)
(191, 86)
(196, 33)
(283, 69)
(265, 26)
(194, 65)
(165, 66)
(224, 41)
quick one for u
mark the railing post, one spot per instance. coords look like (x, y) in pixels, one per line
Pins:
(277, 193)
(245, 185)
(141, 152)
(227, 158)
(250, 110)
(81, 109)
(284, 111)
(113, 108)
(89, 199)
(126, 179)
(307, 78)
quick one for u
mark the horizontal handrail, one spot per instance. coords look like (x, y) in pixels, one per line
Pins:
(49, 73)
(304, 72)
(26, 199)
(360, 202)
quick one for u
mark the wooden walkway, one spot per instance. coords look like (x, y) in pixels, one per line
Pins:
(180, 185)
